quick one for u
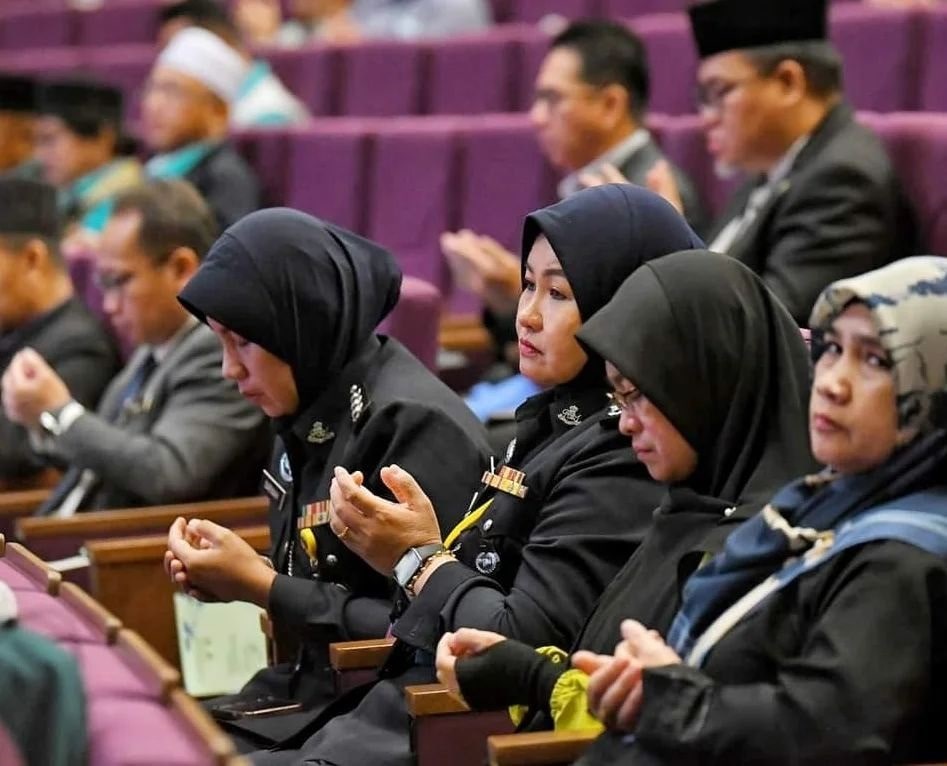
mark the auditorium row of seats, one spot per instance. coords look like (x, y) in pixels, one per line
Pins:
(894, 61)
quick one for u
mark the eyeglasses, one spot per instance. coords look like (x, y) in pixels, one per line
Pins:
(107, 283)
(624, 400)
(710, 96)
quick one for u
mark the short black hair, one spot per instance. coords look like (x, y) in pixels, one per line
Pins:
(206, 14)
(173, 214)
(611, 54)
(820, 62)
(29, 211)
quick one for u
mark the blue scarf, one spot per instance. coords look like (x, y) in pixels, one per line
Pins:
(904, 499)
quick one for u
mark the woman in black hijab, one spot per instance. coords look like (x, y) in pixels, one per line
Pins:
(295, 302)
(550, 526)
(721, 369)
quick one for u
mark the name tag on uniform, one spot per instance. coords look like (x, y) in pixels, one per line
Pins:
(274, 490)
(508, 480)
(314, 515)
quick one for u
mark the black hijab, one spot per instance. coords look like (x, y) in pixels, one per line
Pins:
(601, 235)
(721, 359)
(308, 292)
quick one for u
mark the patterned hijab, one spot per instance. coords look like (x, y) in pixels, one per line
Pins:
(904, 498)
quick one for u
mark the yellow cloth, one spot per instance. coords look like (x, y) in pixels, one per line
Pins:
(465, 523)
(569, 703)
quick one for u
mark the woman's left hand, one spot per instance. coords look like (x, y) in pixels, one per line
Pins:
(615, 683)
(378, 530)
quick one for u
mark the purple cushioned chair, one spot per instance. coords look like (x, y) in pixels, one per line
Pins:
(673, 61)
(381, 79)
(50, 617)
(472, 74)
(134, 731)
(265, 150)
(311, 73)
(40, 25)
(502, 10)
(532, 44)
(15, 578)
(326, 171)
(917, 144)
(118, 22)
(106, 674)
(416, 319)
(933, 85)
(881, 55)
(531, 11)
(629, 9)
(412, 192)
(44, 62)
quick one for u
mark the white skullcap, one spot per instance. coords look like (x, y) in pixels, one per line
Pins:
(205, 57)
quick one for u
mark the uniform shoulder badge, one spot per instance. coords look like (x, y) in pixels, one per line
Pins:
(570, 415)
(319, 434)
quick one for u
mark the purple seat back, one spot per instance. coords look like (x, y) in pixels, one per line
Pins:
(531, 11)
(629, 9)
(874, 80)
(312, 73)
(327, 169)
(472, 75)
(413, 181)
(933, 86)
(42, 25)
(416, 319)
(673, 62)
(533, 45)
(917, 145)
(46, 62)
(265, 149)
(118, 22)
(381, 79)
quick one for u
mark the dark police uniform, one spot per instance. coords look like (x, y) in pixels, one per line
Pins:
(384, 408)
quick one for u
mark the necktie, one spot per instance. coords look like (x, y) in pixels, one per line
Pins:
(730, 233)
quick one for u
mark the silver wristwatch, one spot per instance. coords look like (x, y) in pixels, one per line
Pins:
(412, 561)
(56, 422)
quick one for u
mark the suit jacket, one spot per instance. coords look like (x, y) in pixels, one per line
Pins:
(189, 436)
(840, 212)
(640, 163)
(228, 184)
(77, 347)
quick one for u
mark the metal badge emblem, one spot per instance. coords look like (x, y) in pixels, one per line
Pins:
(510, 449)
(356, 402)
(570, 416)
(285, 470)
(319, 434)
(487, 562)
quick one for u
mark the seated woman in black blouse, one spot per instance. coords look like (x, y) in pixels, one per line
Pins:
(717, 412)
(820, 634)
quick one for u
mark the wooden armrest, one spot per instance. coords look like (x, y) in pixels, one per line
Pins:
(199, 721)
(33, 567)
(359, 655)
(464, 332)
(266, 625)
(22, 501)
(539, 747)
(432, 699)
(91, 611)
(165, 678)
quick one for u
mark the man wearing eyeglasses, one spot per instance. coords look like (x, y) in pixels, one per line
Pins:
(823, 201)
(169, 427)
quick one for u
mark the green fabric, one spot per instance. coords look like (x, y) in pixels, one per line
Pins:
(43, 702)
(180, 162)
(90, 197)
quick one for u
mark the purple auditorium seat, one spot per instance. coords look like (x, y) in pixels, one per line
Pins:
(531, 11)
(416, 319)
(126, 731)
(311, 73)
(682, 139)
(505, 177)
(629, 9)
(880, 54)
(118, 22)
(472, 74)
(933, 84)
(126, 67)
(381, 78)
(50, 617)
(917, 145)
(10, 754)
(673, 61)
(412, 191)
(45, 62)
(265, 150)
(106, 673)
(326, 171)
(502, 10)
(42, 25)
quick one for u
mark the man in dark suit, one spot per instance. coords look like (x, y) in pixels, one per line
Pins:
(38, 309)
(823, 202)
(169, 428)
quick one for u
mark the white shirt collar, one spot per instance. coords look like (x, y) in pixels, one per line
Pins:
(617, 155)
